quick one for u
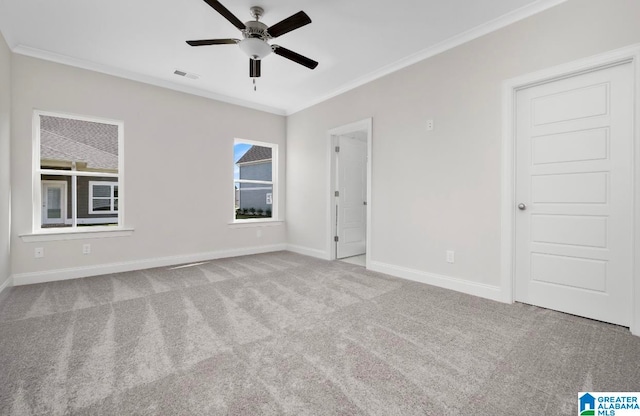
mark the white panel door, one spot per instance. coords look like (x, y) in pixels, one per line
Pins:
(351, 202)
(574, 176)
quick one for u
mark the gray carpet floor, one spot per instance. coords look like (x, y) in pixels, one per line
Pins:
(282, 333)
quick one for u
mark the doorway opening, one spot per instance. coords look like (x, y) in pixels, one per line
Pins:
(350, 192)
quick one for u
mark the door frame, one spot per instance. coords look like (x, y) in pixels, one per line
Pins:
(362, 125)
(63, 202)
(628, 55)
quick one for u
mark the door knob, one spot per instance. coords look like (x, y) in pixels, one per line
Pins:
(522, 206)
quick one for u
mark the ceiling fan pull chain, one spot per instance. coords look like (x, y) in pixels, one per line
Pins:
(254, 85)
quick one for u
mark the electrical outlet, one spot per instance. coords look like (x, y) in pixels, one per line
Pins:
(451, 256)
(429, 125)
(86, 249)
(39, 252)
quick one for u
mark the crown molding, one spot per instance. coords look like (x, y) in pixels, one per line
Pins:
(133, 76)
(464, 37)
(478, 31)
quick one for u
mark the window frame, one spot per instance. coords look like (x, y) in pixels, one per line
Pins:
(274, 183)
(37, 172)
(112, 198)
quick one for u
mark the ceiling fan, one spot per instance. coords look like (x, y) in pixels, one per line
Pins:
(256, 36)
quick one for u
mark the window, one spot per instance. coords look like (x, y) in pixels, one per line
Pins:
(78, 171)
(103, 197)
(254, 180)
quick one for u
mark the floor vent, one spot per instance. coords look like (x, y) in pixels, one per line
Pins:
(188, 265)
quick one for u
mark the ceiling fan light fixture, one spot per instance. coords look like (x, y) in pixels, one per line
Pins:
(255, 48)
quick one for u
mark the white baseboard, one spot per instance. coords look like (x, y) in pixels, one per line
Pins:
(309, 251)
(460, 285)
(7, 283)
(127, 266)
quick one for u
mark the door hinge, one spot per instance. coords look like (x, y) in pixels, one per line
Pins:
(335, 238)
(336, 193)
(337, 149)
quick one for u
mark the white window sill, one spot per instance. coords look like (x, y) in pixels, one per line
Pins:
(75, 234)
(255, 223)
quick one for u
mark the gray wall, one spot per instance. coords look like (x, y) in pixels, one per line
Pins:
(5, 184)
(447, 181)
(178, 166)
(440, 190)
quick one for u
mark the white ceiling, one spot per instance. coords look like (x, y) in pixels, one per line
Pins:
(355, 41)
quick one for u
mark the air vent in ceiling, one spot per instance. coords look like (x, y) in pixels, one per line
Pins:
(186, 74)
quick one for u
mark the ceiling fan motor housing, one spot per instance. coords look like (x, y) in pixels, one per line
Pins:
(256, 29)
(255, 39)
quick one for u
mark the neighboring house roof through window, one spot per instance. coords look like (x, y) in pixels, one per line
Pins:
(255, 154)
(95, 144)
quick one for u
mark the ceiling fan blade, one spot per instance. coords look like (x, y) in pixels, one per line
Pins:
(206, 42)
(290, 23)
(295, 57)
(226, 13)
(254, 68)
